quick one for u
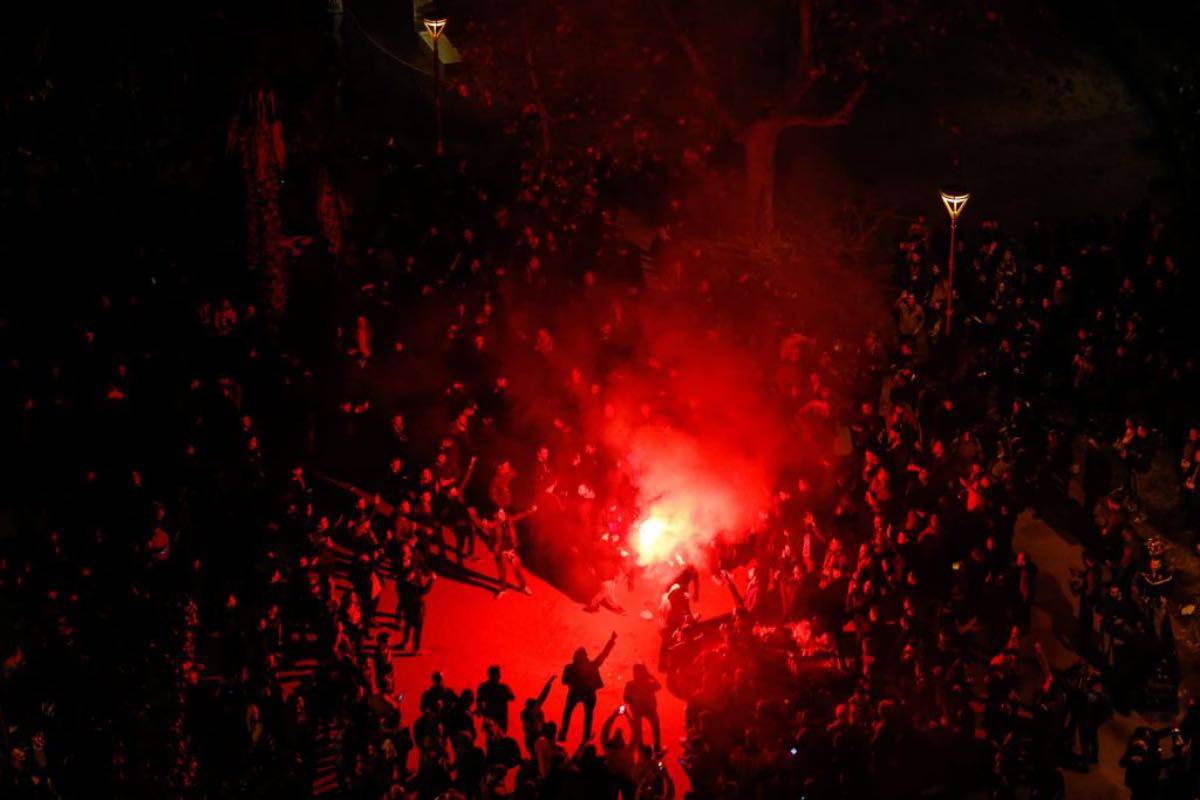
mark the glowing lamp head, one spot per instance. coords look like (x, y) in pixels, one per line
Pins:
(955, 199)
(435, 26)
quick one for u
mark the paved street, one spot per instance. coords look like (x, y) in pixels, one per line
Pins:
(1055, 553)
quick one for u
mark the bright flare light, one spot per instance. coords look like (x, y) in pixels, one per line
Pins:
(689, 495)
(692, 486)
(663, 537)
(650, 533)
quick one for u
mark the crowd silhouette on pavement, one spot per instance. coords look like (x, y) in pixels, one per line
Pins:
(213, 503)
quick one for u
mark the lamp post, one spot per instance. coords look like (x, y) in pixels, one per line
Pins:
(955, 199)
(434, 28)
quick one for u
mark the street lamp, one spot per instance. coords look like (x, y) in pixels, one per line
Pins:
(955, 199)
(434, 28)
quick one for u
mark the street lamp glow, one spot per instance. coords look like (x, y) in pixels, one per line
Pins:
(955, 199)
(435, 26)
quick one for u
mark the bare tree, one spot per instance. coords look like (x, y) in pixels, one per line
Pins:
(676, 81)
(759, 137)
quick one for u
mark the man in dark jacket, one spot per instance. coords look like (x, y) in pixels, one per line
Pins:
(643, 705)
(492, 698)
(582, 679)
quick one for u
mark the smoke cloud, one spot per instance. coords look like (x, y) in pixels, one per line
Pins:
(683, 391)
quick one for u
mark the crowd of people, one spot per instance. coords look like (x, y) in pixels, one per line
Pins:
(1064, 360)
(223, 489)
(180, 534)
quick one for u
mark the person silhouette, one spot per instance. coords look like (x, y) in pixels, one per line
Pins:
(582, 679)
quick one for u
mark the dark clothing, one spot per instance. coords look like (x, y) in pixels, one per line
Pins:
(582, 679)
(688, 580)
(640, 695)
(532, 718)
(431, 696)
(589, 710)
(469, 767)
(492, 699)
(582, 676)
(410, 606)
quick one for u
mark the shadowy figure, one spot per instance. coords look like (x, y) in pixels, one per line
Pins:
(582, 679)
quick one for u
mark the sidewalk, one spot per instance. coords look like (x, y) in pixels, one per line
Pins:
(1054, 622)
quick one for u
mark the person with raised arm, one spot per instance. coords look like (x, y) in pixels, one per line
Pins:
(502, 531)
(582, 679)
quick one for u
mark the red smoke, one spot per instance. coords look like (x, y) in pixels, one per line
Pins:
(685, 387)
(695, 438)
(689, 493)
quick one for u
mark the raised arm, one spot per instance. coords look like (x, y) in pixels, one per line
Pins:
(467, 475)
(541, 698)
(606, 729)
(480, 524)
(608, 648)
(733, 590)
(518, 517)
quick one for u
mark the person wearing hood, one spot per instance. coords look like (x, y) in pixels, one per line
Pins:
(582, 679)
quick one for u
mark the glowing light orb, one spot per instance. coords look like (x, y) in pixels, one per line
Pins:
(660, 537)
(650, 532)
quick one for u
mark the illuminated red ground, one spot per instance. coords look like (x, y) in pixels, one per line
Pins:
(532, 638)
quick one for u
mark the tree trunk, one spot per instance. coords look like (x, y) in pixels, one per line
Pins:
(760, 140)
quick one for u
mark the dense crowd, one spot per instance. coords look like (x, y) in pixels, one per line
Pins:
(223, 491)
(1064, 358)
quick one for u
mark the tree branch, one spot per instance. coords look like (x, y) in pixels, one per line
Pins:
(794, 92)
(699, 67)
(840, 117)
